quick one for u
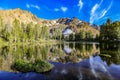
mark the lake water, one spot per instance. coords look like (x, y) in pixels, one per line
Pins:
(72, 61)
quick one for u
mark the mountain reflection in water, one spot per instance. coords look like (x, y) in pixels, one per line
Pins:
(93, 68)
(73, 61)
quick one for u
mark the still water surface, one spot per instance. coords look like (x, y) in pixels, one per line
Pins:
(72, 61)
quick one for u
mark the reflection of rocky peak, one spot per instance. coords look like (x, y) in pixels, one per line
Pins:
(67, 49)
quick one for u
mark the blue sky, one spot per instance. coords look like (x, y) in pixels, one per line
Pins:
(93, 11)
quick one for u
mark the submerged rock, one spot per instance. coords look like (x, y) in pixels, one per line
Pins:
(37, 66)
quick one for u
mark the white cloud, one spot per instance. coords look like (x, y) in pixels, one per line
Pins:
(80, 4)
(56, 9)
(32, 6)
(27, 5)
(1, 8)
(97, 13)
(64, 9)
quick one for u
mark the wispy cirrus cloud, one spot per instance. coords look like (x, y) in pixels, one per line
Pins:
(80, 4)
(64, 9)
(97, 12)
(32, 6)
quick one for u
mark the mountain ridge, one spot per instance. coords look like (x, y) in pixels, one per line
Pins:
(26, 17)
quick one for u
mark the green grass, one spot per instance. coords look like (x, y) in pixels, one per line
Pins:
(37, 66)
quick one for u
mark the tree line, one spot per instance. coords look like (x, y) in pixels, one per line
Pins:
(21, 32)
(110, 31)
(84, 36)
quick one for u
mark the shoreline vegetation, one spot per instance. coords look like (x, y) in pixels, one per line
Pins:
(109, 32)
(36, 66)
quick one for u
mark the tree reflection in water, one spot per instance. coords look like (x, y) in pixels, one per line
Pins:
(111, 52)
(71, 60)
(55, 53)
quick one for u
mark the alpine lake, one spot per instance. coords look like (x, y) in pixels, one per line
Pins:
(69, 60)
